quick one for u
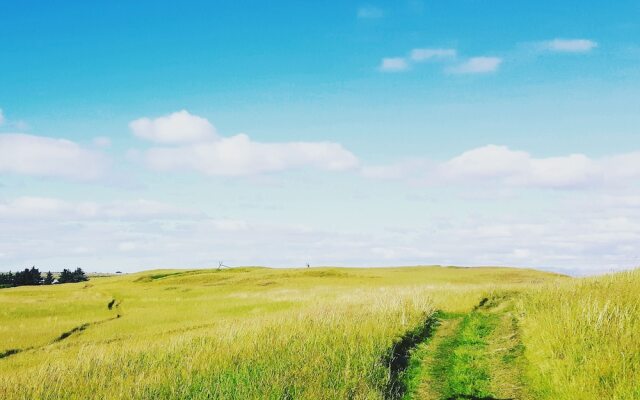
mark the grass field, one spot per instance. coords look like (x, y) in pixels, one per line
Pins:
(582, 338)
(323, 333)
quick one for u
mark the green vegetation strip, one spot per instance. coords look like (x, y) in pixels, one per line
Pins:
(462, 359)
(404, 358)
(417, 378)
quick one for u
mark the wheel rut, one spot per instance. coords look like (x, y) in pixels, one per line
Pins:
(113, 304)
(475, 355)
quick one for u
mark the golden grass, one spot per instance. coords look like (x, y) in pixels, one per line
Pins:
(242, 333)
(582, 338)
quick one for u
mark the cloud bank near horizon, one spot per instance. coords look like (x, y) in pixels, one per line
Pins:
(144, 234)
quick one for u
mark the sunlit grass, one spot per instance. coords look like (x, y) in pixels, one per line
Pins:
(242, 333)
(582, 338)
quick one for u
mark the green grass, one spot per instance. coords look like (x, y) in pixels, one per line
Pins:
(474, 355)
(462, 360)
(415, 372)
(249, 333)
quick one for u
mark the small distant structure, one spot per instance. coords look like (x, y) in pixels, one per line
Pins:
(308, 266)
(118, 272)
(221, 265)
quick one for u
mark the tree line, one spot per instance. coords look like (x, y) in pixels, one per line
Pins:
(32, 276)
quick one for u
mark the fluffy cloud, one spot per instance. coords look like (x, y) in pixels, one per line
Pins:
(503, 166)
(239, 155)
(569, 45)
(520, 168)
(176, 128)
(370, 12)
(49, 157)
(418, 55)
(394, 64)
(399, 64)
(477, 65)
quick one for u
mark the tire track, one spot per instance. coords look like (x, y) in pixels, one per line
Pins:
(472, 356)
(64, 335)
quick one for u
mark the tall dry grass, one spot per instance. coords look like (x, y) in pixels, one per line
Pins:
(582, 338)
(333, 350)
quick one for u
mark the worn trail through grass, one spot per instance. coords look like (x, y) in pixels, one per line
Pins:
(476, 355)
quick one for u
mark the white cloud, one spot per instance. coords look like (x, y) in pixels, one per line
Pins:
(140, 209)
(178, 127)
(486, 162)
(127, 246)
(239, 155)
(33, 207)
(624, 201)
(51, 233)
(399, 170)
(569, 45)
(622, 166)
(419, 55)
(390, 254)
(49, 157)
(1, 117)
(47, 208)
(519, 168)
(394, 64)
(399, 64)
(580, 233)
(370, 12)
(513, 168)
(477, 65)
(521, 253)
(101, 141)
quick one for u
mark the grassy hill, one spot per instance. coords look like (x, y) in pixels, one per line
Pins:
(318, 333)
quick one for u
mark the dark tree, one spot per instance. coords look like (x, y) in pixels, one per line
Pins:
(79, 275)
(48, 280)
(66, 276)
(20, 278)
(6, 279)
(35, 276)
(27, 277)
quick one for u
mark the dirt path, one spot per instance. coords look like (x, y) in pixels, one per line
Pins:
(476, 355)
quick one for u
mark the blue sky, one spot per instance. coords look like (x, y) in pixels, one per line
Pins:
(345, 133)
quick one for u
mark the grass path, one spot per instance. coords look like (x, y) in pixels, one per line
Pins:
(470, 356)
(420, 383)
